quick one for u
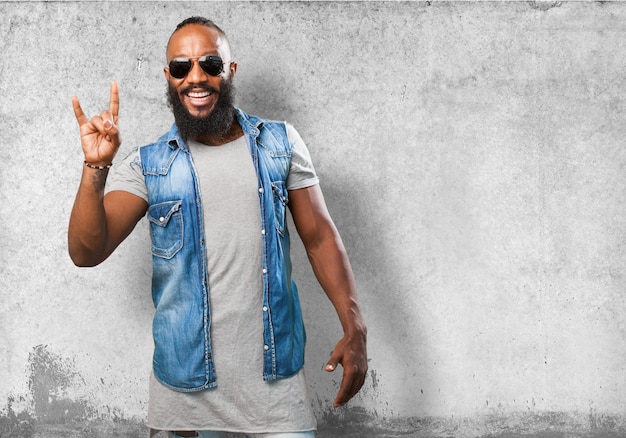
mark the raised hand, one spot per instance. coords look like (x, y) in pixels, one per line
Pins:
(100, 137)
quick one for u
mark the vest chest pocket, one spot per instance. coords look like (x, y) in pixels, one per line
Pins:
(281, 199)
(166, 228)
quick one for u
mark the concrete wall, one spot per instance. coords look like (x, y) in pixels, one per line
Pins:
(472, 155)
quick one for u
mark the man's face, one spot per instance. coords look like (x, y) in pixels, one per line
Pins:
(198, 91)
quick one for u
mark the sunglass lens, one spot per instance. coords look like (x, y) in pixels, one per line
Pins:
(180, 67)
(212, 65)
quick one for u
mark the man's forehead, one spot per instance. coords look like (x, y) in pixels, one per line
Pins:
(194, 38)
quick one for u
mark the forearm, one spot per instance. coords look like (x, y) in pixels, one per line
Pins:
(87, 227)
(331, 266)
(332, 269)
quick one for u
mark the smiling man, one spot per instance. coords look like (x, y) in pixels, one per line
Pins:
(228, 332)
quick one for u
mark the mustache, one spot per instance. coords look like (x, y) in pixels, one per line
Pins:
(201, 86)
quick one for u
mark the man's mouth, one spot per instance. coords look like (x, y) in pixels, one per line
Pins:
(199, 97)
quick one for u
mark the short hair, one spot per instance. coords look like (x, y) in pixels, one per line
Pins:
(200, 20)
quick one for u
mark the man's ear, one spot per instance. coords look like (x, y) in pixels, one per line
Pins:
(233, 68)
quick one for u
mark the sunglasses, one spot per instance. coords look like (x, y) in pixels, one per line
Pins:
(180, 67)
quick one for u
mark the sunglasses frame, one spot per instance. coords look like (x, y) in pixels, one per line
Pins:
(208, 64)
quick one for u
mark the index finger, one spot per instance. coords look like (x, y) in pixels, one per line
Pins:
(78, 112)
(347, 389)
(114, 101)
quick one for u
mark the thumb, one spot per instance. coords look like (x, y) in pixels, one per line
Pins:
(332, 363)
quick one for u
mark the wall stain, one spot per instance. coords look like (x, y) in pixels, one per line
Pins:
(51, 409)
(51, 377)
(15, 425)
(358, 422)
(544, 5)
(374, 379)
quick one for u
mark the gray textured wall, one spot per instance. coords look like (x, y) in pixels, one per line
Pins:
(472, 155)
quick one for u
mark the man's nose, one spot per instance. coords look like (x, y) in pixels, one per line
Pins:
(196, 75)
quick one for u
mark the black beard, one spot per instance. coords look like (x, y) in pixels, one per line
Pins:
(218, 123)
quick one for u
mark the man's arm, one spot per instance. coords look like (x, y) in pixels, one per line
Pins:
(332, 268)
(99, 223)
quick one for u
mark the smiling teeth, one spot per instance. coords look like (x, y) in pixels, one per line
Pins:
(199, 94)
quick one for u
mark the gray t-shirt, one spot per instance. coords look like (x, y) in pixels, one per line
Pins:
(242, 401)
(127, 176)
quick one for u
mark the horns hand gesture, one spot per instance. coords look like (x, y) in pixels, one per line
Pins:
(100, 137)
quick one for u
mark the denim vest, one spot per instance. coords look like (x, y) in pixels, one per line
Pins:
(182, 323)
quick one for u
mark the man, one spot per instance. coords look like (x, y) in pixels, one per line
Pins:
(228, 333)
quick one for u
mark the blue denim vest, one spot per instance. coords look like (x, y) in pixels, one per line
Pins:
(180, 291)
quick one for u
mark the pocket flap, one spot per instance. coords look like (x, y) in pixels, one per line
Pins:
(160, 214)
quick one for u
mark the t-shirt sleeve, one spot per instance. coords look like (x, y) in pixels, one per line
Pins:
(128, 176)
(301, 173)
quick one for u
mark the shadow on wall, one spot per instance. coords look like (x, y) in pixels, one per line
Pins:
(389, 318)
(265, 95)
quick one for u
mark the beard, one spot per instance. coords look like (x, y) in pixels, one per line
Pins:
(217, 123)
